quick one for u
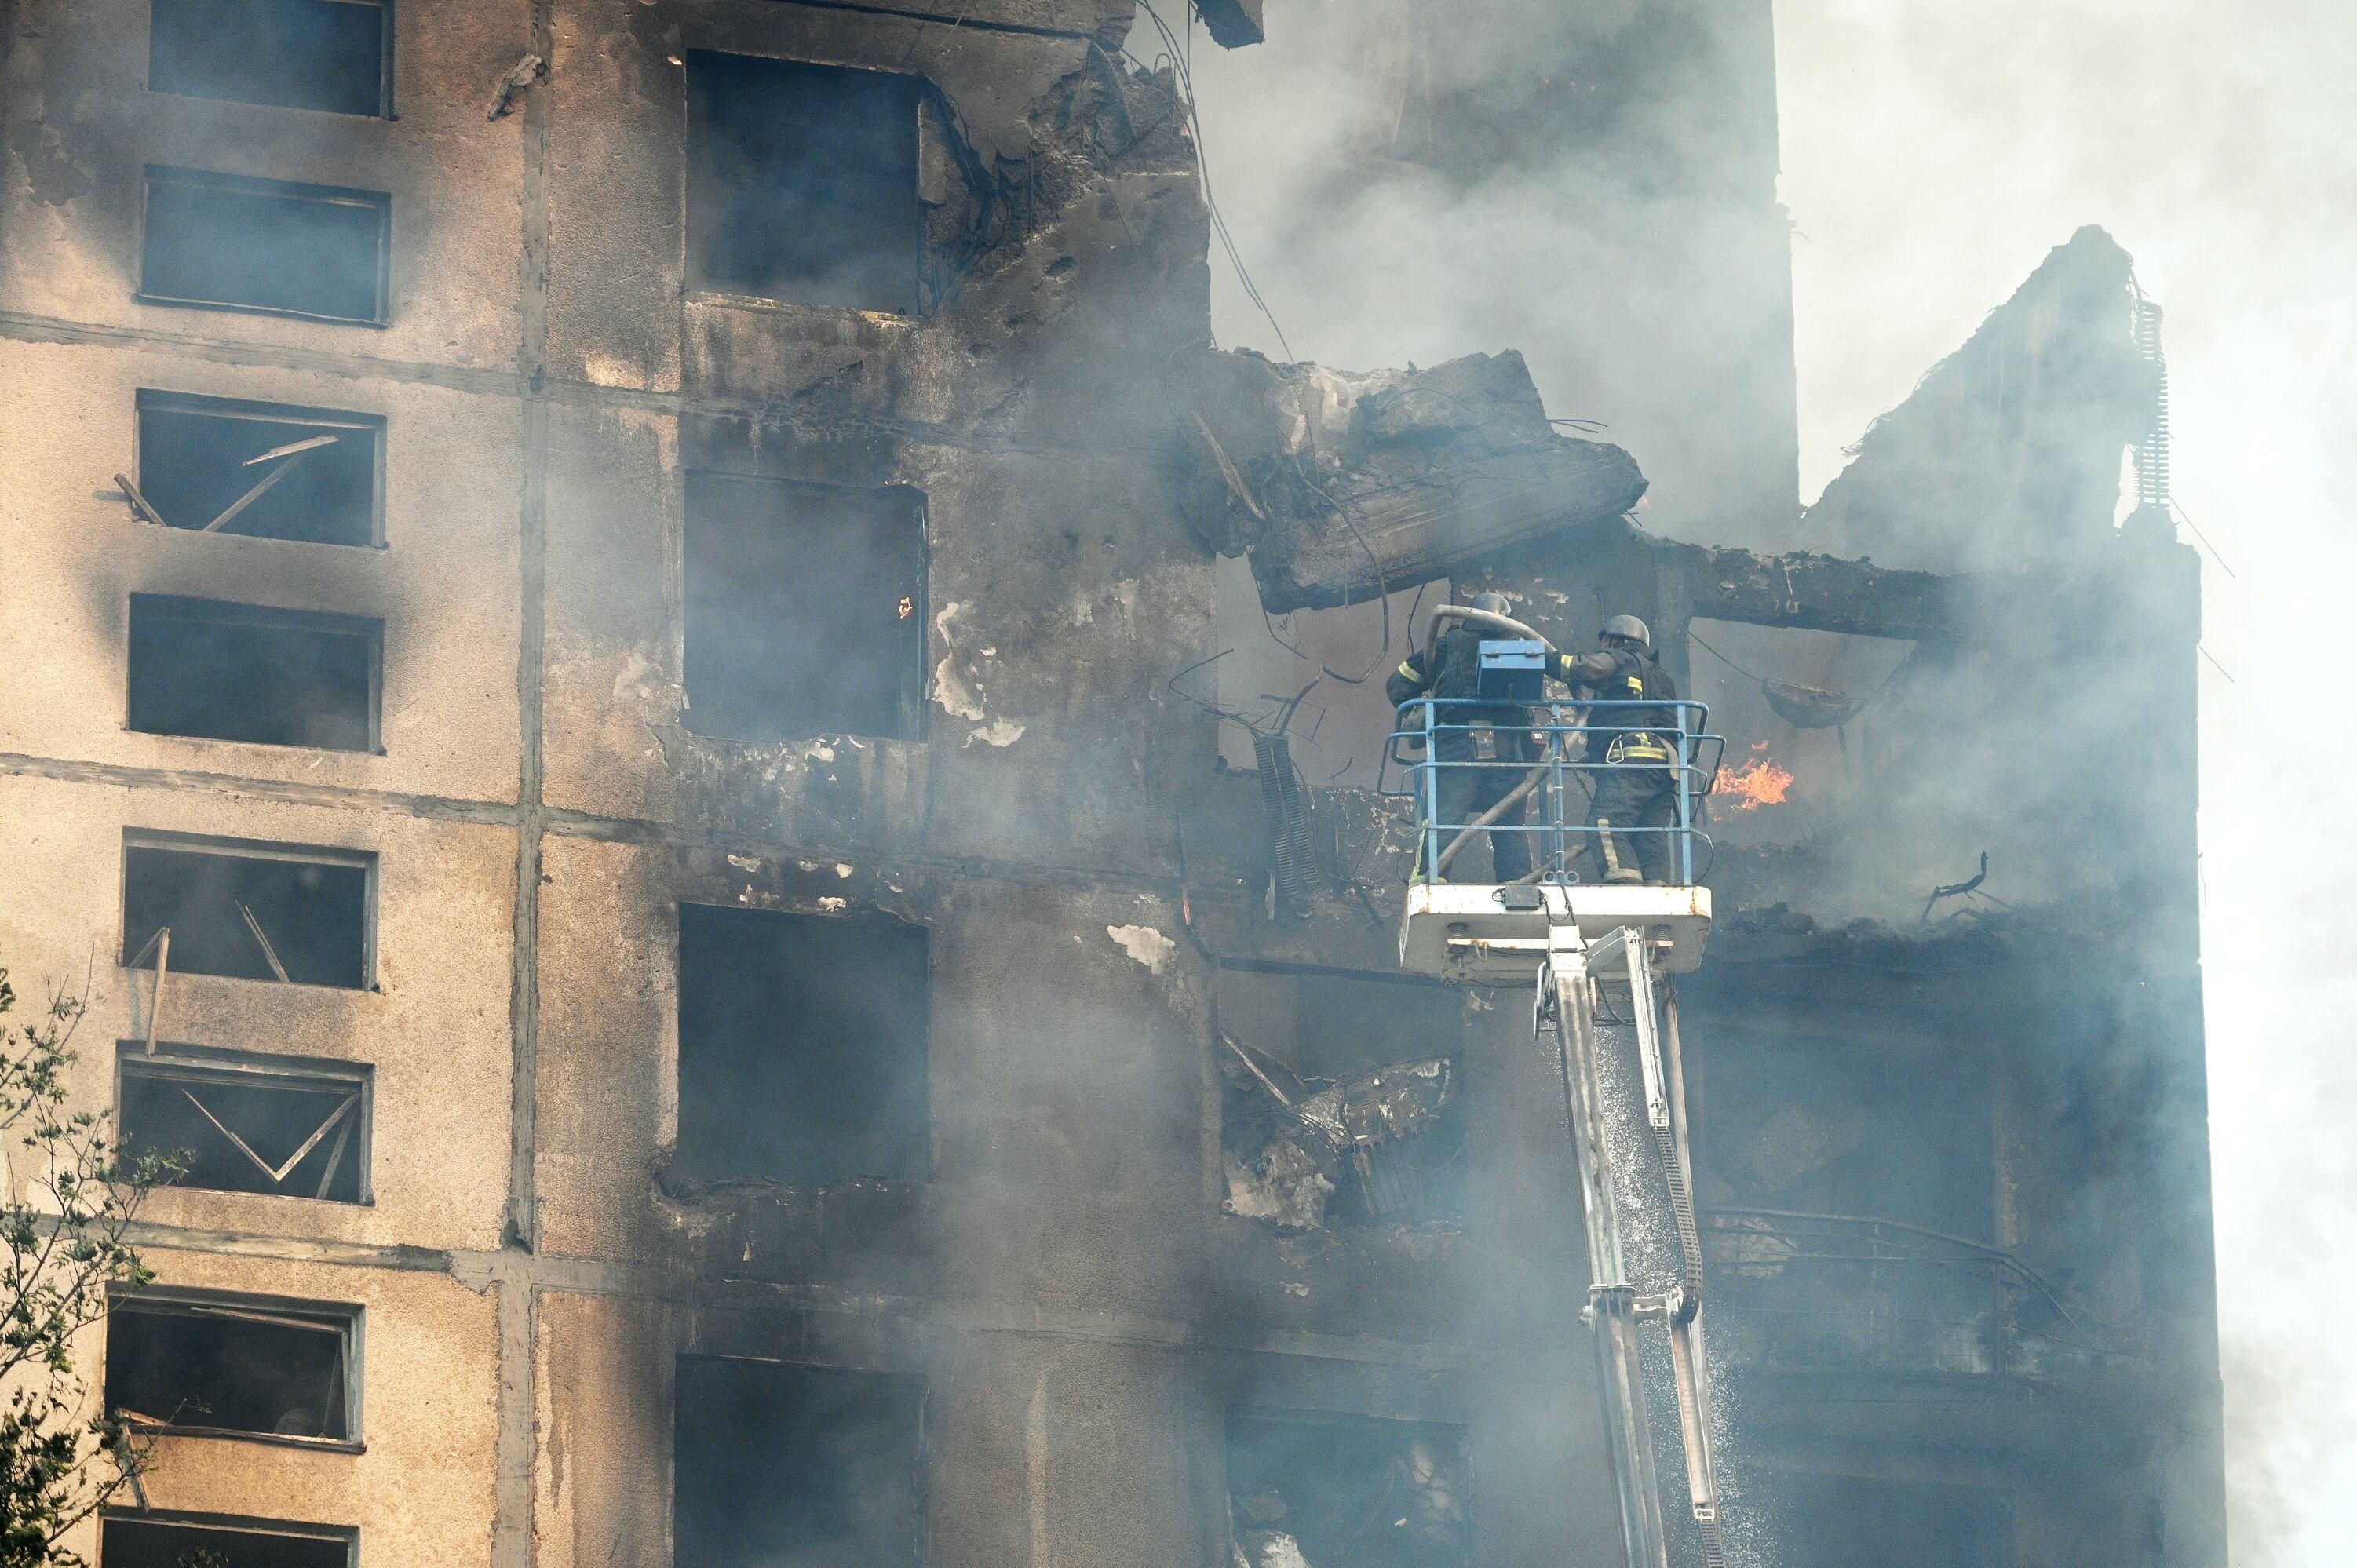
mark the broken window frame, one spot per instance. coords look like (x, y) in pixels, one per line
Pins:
(197, 1066)
(926, 290)
(362, 861)
(383, 110)
(299, 419)
(347, 1320)
(246, 184)
(231, 613)
(891, 1383)
(344, 1535)
(692, 1159)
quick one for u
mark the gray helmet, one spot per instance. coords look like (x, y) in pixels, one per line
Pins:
(1493, 603)
(1630, 628)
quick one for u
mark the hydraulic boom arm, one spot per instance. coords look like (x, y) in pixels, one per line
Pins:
(1623, 1093)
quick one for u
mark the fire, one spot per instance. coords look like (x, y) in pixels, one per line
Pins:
(1760, 781)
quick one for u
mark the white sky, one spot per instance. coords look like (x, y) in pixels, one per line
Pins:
(1933, 150)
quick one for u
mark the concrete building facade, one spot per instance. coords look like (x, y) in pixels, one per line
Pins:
(610, 570)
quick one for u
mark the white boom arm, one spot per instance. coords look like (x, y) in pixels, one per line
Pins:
(1624, 1095)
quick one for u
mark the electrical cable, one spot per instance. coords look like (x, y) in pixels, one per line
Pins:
(1269, 621)
(1213, 709)
(2204, 538)
(1764, 681)
(1178, 54)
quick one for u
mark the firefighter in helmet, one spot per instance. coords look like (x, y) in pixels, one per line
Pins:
(1479, 750)
(1637, 787)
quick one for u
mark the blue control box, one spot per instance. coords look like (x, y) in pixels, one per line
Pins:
(1513, 672)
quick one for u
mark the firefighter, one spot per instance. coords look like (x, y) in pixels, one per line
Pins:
(1470, 783)
(1638, 788)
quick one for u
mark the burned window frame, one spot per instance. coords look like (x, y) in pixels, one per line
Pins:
(687, 1169)
(181, 1062)
(346, 1535)
(895, 1384)
(927, 121)
(146, 399)
(384, 105)
(363, 861)
(913, 715)
(369, 629)
(347, 1320)
(381, 201)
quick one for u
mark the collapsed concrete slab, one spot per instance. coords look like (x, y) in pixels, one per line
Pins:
(1344, 485)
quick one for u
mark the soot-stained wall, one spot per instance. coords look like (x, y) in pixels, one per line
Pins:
(1044, 1274)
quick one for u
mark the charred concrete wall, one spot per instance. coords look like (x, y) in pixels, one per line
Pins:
(1091, 1324)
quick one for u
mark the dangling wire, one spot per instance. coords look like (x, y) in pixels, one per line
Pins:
(1178, 55)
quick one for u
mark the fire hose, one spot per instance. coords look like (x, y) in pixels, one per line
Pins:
(1520, 791)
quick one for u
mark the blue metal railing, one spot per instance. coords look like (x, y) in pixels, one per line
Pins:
(1544, 773)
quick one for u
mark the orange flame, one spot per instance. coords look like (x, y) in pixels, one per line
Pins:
(1760, 781)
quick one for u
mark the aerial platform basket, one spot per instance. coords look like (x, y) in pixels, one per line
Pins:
(1531, 790)
(1501, 935)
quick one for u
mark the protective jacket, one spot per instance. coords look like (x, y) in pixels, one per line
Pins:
(1626, 675)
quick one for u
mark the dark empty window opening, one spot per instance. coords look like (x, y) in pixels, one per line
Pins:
(805, 610)
(223, 671)
(788, 1466)
(259, 469)
(802, 1047)
(1821, 1520)
(250, 911)
(802, 182)
(233, 1366)
(161, 1540)
(1341, 1102)
(297, 54)
(264, 245)
(1363, 1491)
(248, 1123)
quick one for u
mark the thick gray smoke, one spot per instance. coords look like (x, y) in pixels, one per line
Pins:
(1931, 157)
(1931, 153)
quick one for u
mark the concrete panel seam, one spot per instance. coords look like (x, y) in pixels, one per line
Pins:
(517, 1441)
(23, 327)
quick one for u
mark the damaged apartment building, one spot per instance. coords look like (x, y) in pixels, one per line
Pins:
(622, 673)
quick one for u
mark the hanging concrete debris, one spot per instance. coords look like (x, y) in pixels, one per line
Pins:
(1343, 485)
(2009, 449)
(1291, 1145)
(1233, 24)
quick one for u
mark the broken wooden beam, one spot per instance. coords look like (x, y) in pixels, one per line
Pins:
(1815, 593)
